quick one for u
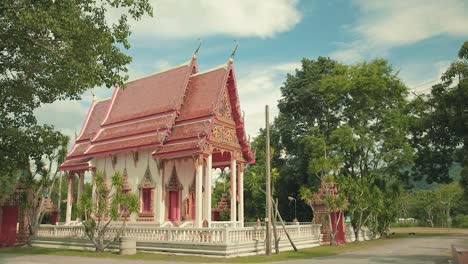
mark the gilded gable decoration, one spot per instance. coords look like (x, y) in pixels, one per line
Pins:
(126, 186)
(147, 181)
(224, 134)
(174, 183)
(224, 106)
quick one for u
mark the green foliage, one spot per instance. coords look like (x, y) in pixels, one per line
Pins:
(365, 202)
(351, 117)
(255, 179)
(49, 51)
(110, 203)
(461, 221)
(440, 124)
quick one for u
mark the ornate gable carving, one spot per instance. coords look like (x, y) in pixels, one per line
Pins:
(224, 109)
(147, 181)
(224, 134)
(174, 183)
(126, 186)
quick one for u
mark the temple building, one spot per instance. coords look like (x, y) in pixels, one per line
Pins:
(166, 133)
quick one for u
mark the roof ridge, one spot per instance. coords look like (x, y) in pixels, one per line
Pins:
(102, 100)
(220, 66)
(187, 63)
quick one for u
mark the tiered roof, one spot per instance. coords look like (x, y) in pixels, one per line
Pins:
(178, 112)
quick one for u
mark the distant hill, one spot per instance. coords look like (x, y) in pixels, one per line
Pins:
(454, 172)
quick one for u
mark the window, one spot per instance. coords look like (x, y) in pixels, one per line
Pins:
(146, 200)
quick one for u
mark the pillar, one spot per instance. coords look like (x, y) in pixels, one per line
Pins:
(80, 190)
(80, 186)
(233, 190)
(160, 207)
(198, 192)
(93, 189)
(93, 180)
(207, 209)
(69, 197)
(241, 194)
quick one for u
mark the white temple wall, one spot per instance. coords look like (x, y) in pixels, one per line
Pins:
(125, 160)
(185, 168)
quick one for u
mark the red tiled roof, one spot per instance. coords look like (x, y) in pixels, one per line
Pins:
(118, 145)
(155, 94)
(143, 106)
(75, 164)
(93, 120)
(202, 94)
(196, 116)
(155, 123)
(172, 112)
(90, 126)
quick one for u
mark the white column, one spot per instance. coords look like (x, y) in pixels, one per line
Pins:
(241, 195)
(93, 191)
(233, 191)
(159, 194)
(198, 192)
(80, 190)
(93, 188)
(69, 198)
(207, 209)
(80, 185)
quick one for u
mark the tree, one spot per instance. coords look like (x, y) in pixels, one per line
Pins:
(48, 151)
(110, 204)
(365, 200)
(255, 178)
(449, 196)
(359, 112)
(428, 200)
(405, 201)
(440, 124)
(55, 50)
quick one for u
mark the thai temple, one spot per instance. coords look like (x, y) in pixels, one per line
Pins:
(165, 134)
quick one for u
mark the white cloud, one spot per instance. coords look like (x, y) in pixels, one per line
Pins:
(383, 25)
(258, 87)
(65, 116)
(198, 18)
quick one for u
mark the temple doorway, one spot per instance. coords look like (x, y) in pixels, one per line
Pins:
(9, 219)
(174, 208)
(173, 197)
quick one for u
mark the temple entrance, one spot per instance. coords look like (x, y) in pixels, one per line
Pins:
(173, 197)
(9, 219)
(174, 208)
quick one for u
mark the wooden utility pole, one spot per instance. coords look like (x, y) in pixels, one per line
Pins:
(268, 183)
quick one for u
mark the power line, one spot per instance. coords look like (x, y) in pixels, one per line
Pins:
(422, 84)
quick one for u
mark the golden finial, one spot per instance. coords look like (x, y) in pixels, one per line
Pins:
(198, 48)
(231, 58)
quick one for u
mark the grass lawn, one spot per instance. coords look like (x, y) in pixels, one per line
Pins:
(430, 230)
(301, 254)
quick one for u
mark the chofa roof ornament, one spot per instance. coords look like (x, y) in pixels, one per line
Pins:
(233, 53)
(195, 53)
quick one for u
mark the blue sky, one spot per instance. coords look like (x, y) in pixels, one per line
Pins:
(419, 38)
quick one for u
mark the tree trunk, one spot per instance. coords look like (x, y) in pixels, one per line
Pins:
(330, 228)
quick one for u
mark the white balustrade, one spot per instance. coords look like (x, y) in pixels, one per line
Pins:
(230, 233)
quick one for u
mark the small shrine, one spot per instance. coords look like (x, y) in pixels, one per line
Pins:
(320, 214)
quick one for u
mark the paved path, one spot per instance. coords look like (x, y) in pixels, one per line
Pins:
(405, 251)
